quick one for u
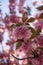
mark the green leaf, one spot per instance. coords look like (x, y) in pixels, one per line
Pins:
(40, 7)
(18, 24)
(32, 29)
(41, 16)
(19, 43)
(38, 32)
(11, 26)
(31, 19)
(34, 34)
(27, 23)
(41, 48)
(24, 17)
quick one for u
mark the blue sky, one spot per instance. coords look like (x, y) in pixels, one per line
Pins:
(5, 8)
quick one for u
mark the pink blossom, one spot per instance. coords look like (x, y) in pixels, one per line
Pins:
(12, 1)
(21, 3)
(35, 3)
(14, 18)
(38, 60)
(40, 40)
(39, 24)
(22, 32)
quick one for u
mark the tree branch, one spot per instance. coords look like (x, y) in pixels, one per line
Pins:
(22, 58)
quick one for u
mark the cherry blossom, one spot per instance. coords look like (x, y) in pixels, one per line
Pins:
(25, 43)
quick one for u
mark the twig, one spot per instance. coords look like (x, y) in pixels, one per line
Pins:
(22, 58)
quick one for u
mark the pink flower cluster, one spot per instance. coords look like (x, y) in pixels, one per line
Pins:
(25, 43)
(22, 32)
(39, 24)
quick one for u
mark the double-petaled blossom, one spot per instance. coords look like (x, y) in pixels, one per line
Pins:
(12, 1)
(14, 18)
(22, 32)
(12, 5)
(38, 60)
(26, 46)
(21, 3)
(40, 40)
(39, 24)
(9, 20)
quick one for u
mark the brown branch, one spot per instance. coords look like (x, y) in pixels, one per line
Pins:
(22, 58)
